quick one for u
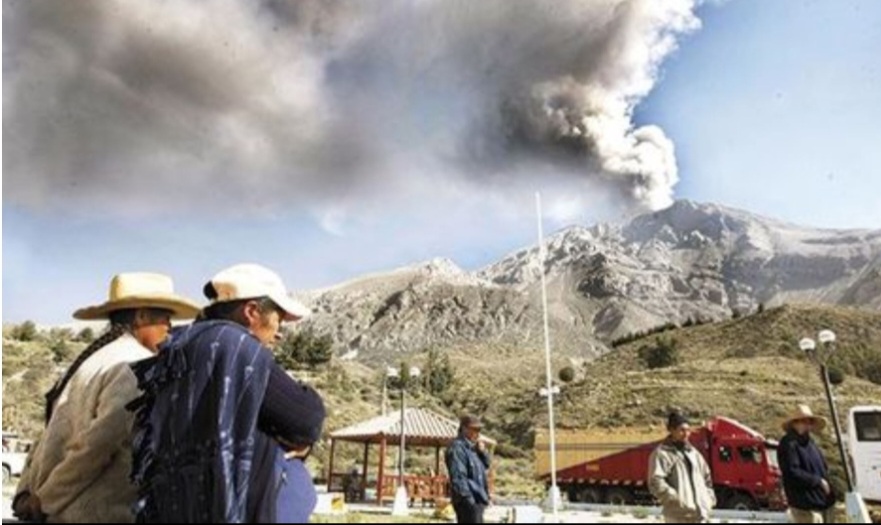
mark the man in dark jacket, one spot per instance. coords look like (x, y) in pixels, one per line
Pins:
(468, 463)
(805, 473)
(222, 430)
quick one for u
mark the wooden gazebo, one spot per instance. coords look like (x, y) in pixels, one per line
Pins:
(422, 429)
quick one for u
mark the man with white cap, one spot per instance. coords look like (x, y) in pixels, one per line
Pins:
(222, 430)
(79, 471)
(805, 472)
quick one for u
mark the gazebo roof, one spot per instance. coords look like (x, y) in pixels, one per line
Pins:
(422, 428)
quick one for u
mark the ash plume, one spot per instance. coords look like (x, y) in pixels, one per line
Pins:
(242, 104)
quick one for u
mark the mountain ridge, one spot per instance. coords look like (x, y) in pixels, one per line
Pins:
(691, 261)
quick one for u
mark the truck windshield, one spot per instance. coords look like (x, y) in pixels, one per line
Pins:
(771, 454)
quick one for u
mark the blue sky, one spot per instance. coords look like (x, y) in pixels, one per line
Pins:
(774, 107)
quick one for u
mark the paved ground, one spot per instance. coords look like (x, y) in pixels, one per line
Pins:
(501, 514)
(497, 514)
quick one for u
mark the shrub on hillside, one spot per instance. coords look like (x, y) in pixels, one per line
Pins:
(663, 354)
(438, 374)
(872, 372)
(836, 376)
(567, 375)
(636, 336)
(86, 335)
(61, 352)
(26, 331)
(304, 350)
(58, 341)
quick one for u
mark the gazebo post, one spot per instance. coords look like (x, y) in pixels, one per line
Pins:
(438, 490)
(492, 471)
(330, 465)
(379, 479)
(364, 469)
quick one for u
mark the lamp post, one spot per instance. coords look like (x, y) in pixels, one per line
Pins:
(820, 355)
(401, 507)
(390, 373)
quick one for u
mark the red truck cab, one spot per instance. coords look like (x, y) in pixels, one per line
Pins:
(743, 463)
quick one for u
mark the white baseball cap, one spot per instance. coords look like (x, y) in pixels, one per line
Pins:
(251, 281)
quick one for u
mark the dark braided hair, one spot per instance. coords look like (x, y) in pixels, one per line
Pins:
(121, 323)
(115, 332)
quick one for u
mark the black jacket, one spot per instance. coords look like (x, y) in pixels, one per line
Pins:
(804, 468)
(468, 467)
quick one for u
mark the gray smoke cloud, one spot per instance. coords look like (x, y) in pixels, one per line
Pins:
(248, 104)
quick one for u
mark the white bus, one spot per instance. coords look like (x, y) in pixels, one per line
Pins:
(864, 432)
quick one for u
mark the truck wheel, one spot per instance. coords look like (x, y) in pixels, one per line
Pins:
(619, 497)
(741, 502)
(7, 474)
(590, 495)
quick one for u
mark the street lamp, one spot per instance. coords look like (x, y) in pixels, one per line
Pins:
(856, 509)
(807, 345)
(400, 507)
(820, 356)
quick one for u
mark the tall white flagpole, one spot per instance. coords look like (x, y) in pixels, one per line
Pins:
(555, 491)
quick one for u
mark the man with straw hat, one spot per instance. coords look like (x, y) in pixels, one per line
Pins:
(79, 471)
(805, 472)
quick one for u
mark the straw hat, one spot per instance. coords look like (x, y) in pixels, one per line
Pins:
(805, 412)
(140, 290)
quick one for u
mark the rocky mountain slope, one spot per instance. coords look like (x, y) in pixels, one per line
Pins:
(691, 261)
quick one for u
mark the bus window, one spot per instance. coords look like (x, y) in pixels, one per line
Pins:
(868, 427)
